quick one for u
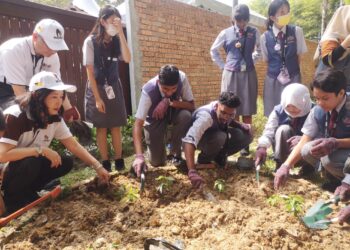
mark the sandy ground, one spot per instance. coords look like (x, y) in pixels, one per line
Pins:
(238, 218)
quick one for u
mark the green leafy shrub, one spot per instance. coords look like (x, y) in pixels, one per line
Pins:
(220, 185)
(164, 183)
(127, 194)
(292, 203)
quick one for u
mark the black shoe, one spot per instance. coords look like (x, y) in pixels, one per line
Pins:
(330, 186)
(119, 164)
(245, 151)
(200, 160)
(221, 159)
(174, 160)
(307, 170)
(107, 165)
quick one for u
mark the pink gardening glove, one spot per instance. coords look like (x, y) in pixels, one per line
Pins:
(260, 155)
(323, 147)
(343, 191)
(160, 111)
(195, 178)
(344, 214)
(281, 176)
(139, 164)
(293, 141)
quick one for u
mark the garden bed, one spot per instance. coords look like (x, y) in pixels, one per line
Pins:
(238, 218)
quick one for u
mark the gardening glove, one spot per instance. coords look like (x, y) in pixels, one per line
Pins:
(293, 141)
(71, 114)
(344, 214)
(139, 164)
(343, 191)
(260, 155)
(246, 128)
(160, 110)
(195, 178)
(323, 147)
(281, 176)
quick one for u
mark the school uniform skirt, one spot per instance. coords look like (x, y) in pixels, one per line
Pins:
(115, 115)
(245, 86)
(273, 90)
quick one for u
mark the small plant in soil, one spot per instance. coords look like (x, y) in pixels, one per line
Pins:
(127, 194)
(164, 183)
(292, 203)
(220, 185)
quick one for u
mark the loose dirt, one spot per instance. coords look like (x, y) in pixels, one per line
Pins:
(238, 218)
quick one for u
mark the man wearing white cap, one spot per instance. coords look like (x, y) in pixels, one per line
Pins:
(31, 125)
(21, 58)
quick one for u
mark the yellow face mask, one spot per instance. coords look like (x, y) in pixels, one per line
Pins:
(283, 20)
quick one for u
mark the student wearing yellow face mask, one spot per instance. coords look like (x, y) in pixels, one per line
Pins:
(281, 47)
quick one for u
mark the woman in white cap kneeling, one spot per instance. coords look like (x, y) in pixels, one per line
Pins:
(31, 125)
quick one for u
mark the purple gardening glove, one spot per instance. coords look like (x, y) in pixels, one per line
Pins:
(260, 155)
(343, 191)
(323, 147)
(281, 176)
(195, 178)
(139, 164)
(293, 141)
(344, 214)
(160, 110)
(247, 128)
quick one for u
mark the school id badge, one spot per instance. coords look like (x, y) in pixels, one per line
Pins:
(283, 77)
(109, 92)
(243, 66)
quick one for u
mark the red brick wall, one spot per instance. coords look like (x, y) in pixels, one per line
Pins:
(180, 34)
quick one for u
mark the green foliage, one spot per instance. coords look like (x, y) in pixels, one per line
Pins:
(164, 183)
(127, 194)
(305, 13)
(220, 185)
(127, 139)
(259, 120)
(77, 175)
(57, 146)
(292, 203)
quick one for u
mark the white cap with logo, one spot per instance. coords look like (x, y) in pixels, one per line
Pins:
(49, 80)
(53, 34)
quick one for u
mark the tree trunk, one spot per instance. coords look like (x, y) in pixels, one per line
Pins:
(324, 15)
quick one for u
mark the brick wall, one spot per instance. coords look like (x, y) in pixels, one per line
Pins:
(180, 34)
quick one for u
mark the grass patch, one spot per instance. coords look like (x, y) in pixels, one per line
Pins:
(77, 175)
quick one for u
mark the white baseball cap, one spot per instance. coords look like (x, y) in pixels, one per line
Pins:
(53, 34)
(49, 80)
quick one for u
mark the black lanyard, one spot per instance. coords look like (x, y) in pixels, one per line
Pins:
(35, 60)
(283, 44)
(242, 48)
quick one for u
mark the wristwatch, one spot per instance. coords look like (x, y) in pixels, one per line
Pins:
(39, 150)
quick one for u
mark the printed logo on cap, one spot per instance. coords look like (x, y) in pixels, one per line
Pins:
(58, 35)
(57, 78)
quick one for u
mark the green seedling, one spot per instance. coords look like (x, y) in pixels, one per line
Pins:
(292, 203)
(220, 185)
(164, 183)
(127, 194)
